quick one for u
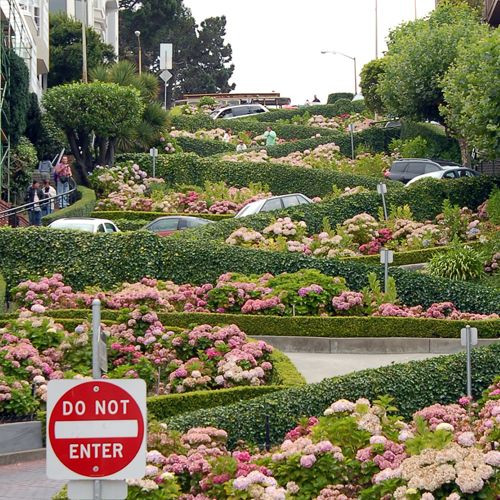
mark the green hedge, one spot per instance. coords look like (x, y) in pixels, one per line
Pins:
(204, 147)
(334, 97)
(3, 294)
(414, 385)
(189, 168)
(81, 208)
(308, 326)
(135, 220)
(110, 259)
(375, 139)
(440, 145)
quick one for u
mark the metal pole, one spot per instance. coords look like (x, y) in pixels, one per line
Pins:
(140, 56)
(376, 29)
(468, 349)
(385, 206)
(165, 96)
(96, 370)
(355, 78)
(154, 166)
(352, 140)
(84, 44)
(415, 8)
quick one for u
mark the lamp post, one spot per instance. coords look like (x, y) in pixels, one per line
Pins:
(138, 35)
(376, 29)
(348, 57)
(84, 43)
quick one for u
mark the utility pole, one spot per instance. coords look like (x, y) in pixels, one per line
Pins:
(84, 44)
(376, 29)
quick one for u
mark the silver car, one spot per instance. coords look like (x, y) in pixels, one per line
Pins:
(274, 203)
(239, 111)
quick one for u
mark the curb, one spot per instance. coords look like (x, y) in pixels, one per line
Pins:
(367, 345)
(22, 456)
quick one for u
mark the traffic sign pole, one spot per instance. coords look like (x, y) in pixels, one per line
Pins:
(382, 191)
(468, 338)
(96, 369)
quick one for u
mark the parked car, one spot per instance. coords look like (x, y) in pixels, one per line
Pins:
(89, 224)
(449, 173)
(406, 169)
(231, 112)
(274, 203)
(163, 226)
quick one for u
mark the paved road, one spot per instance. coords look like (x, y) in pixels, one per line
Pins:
(27, 481)
(317, 366)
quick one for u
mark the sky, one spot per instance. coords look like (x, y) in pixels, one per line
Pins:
(277, 44)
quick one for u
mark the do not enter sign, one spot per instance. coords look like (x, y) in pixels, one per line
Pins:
(96, 429)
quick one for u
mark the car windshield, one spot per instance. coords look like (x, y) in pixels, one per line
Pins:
(79, 226)
(249, 209)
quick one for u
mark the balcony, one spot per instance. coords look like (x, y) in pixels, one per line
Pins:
(492, 12)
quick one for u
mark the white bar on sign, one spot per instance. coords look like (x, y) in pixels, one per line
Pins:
(84, 490)
(70, 429)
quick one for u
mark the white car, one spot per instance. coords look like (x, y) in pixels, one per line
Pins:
(447, 173)
(274, 203)
(89, 225)
(239, 111)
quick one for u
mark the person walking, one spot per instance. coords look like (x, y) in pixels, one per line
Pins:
(241, 146)
(49, 192)
(35, 195)
(227, 136)
(270, 137)
(316, 99)
(62, 175)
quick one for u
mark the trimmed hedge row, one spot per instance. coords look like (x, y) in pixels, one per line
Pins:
(109, 259)
(414, 385)
(189, 168)
(204, 147)
(425, 199)
(132, 215)
(316, 326)
(81, 208)
(374, 139)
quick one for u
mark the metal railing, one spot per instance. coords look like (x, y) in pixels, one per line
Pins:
(10, 212)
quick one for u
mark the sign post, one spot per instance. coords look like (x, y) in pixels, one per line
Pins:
(96, 430)
(166, 63)
(386, 258)
(153, 152)
(351, 131)
(382, 190)
(468, 338)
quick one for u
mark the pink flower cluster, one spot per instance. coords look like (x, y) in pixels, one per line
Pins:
(347, 300)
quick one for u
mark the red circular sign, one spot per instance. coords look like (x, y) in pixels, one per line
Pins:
(96, 429)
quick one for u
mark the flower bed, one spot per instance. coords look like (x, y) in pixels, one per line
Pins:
(305, 293)
(34, 349)
(127, 187)
(355, 449)
(363, 234)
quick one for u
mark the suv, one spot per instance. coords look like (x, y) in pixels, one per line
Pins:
(406, 169)
(87, 224)
(274, 203)
(239, 111)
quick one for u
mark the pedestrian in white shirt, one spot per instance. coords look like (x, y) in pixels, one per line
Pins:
(49, 192)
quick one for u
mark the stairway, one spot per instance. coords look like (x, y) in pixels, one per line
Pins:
(22, 221)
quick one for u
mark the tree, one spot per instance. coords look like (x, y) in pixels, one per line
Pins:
(371, 74)
(66, 50)
(94, 116)
(419, 54)
(471, 91)
(17, 98)
(201, 58)
(154, 117)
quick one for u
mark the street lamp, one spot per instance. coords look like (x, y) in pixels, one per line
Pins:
(352, 59)
(138, 35)
(84, 43)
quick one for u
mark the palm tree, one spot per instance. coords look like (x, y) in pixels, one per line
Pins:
(154, 117)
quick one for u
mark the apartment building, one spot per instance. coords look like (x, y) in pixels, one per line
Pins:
(102, 15)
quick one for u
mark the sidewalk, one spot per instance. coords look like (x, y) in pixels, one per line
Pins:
(27, 481)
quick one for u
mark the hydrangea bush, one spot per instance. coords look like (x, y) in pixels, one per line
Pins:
(356, 450)
(307, 292)
(127, 187)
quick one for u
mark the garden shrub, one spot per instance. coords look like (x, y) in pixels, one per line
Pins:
(204, 147)
(110, 259)
(3, 294)
(335, 96)
(438, 144)
(414, 385)
(83, 207)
